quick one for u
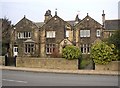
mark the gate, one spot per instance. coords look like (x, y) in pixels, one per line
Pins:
(10, 61)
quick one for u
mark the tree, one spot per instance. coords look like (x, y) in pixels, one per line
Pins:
(115, 39)
(6, 26)
(71, 52)
(101, 53)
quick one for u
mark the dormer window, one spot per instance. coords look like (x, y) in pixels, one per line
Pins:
(50, 34)
(98, 32)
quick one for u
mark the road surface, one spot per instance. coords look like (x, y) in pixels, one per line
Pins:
(20, 78)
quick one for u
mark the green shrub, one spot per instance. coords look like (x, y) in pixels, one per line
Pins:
(115, 39)
(71, 52)
(101, 53)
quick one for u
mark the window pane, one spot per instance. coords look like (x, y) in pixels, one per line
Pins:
(82, 49)
(32, 45)
(29, 48)
(29, 34)
(26, 48)
(88, 48)
(47, 50)
(98, 33)
(50, 50)
(47, 34)
(50, 35)
(81, 33)
(26, 34)
(53, 34)
(67, 33)
(18, 35)
(88, 33)
(53, 49)
(85, 33)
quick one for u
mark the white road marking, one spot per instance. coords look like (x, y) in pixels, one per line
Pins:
(14, 81)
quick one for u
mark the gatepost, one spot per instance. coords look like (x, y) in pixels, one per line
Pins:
(79, 62)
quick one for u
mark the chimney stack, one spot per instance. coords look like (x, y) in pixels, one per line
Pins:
(48, 16)
(103, 19)
(56, 12)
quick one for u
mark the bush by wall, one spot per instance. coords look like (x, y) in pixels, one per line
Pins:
(71, 52)
(101, 53)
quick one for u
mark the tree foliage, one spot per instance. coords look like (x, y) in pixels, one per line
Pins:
(71, 52)
(6, 25)
(101, 53)
(115, 39)
(6, 30)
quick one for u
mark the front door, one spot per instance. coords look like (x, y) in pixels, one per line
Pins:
(15, 51)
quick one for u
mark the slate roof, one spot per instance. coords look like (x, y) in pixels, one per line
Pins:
(72, 22)
(39, 24)
(112, 24)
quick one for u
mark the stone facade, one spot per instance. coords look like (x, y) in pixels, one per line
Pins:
(25, 39)
(87, 32)
(53, 33)
(44, 38)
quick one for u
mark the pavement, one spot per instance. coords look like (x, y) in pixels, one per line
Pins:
(83, 72)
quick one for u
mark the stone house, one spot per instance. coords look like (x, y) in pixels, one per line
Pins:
(55, 34)
(43, 39)
(87, 31)
(111, 26)
(25, 38)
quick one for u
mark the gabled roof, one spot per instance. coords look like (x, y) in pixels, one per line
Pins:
(86, 18)
(58, 18)
(112, 24)
(67, 41)
(39, 24)
(24, 20)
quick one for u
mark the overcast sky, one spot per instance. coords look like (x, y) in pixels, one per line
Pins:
(67, 9)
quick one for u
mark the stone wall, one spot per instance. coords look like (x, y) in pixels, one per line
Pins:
(113, 66)
(2, 60)
(47, 63)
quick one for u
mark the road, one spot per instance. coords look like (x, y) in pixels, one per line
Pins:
(20, 78)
